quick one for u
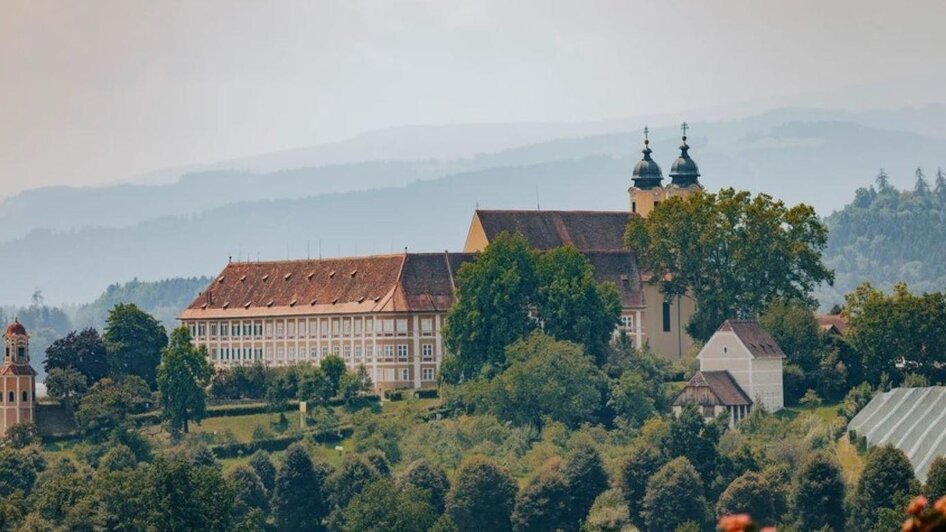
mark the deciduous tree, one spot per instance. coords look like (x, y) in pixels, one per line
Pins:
(818, 494)
(82, 351)
(674, 496)
(182, 378)
(134, 340)
(732, 252)
(300, 500)
(482, 496)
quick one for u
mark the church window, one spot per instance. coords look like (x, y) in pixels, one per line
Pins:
(12, 397)
(633, 206)
(26, 396)
(21, 353)
(666, 316)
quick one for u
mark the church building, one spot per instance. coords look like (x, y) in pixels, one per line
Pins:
(386, 312)
(17, 379)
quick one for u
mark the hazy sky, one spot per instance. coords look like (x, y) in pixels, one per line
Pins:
(96, 91)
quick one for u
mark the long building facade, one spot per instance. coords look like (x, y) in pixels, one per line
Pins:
(386, 312)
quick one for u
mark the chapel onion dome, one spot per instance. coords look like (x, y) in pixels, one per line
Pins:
(684, 172)
(646, 172)
(16, 329)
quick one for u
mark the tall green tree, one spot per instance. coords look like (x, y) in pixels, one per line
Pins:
(571, 304)
(752, 494)
(674, 497)
(383, 506)
(300, 500)
(547, 378)
(134, 340)
(67, 386)
(494, 295)
(182, 378)
(249, 493)
(482, 496)
(263, 465)
(82, 351)
(104, 411)
(636, 469)
(542, 504)
(901, 327)
(334, 367)
(732, 252)
(819, 493)
(586, 478)
(431, 478)
(691, 437)
(935, 486)
(886, 483)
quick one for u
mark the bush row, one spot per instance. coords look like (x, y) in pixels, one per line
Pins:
(280, 443)
(408, 393)
(154, 417)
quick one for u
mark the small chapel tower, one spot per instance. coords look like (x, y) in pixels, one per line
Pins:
(648, 189)
(17, 379)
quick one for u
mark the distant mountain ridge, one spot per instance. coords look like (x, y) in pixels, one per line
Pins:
(190, 228)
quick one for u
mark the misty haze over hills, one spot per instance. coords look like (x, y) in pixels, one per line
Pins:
(417, 187)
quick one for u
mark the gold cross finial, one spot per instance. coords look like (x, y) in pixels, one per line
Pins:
(684, 126)
(646, 132)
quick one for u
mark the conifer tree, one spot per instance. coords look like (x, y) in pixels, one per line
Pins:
(935, 486)
(299, 498)
(921, 187)
(886, 484)
(586, 479)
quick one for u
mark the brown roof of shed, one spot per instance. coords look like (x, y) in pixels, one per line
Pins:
(723, 386)
(828, 322)
(759, 342)
(407, 282)
(586, 230)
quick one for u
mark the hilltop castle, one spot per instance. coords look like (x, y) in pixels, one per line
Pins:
(386, 311)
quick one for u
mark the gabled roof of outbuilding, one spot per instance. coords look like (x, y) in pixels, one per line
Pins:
(723, 386)
(756, 339)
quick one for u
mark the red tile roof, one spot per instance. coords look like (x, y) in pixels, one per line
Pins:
(586, 230)
(759, 342)
(13, 369)
(16, 329)
(832, 321)
(411, 282)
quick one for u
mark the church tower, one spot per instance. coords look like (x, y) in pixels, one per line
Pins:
(648, 189)
(17, 379)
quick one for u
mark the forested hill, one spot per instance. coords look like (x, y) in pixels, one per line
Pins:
(888, 235)
(162, 299)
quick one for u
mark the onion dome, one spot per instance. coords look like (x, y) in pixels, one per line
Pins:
(646, 172)
(684, 172)
(16, 329)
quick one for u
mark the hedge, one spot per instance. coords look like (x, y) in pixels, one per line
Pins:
(234, 450)
(154, 417)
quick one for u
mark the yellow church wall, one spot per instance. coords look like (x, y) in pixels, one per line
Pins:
(670, 344)
(476, 237)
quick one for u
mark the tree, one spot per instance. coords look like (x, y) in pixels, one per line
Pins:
(883, 182)
(897, 332)
(134, 341)
(586, 479)
(382, 506)
(674, 496)
(572, 306)
(749, 494)
(641, 464)
(543, 502)
(117, 458)
(21, 435)
(188, 497)
(354, 475)
(547, 378)
(279, 389)
(315, 387)
(691, 437)
(935, 486)
(886, 481)
(18, 470)
(182, 378)
(921, 187)
(249, 493)
(67, 386)
(104, 410)
(334, 367)
(731, 252)
(794, 328)
(299, 497)
(481, 497)
(940, 189)
(263, 465)
(422, 475)
(353, 384)
(81, 351)
(819, 493)
(494, 295)
(632, 398)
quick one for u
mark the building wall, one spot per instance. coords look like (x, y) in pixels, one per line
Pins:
(676, 342)
(767, 383)
(400, 350)
(15, 406)
(476, 237)
(761, 379)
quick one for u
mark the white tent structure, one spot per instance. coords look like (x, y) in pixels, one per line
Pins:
(911, 419)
